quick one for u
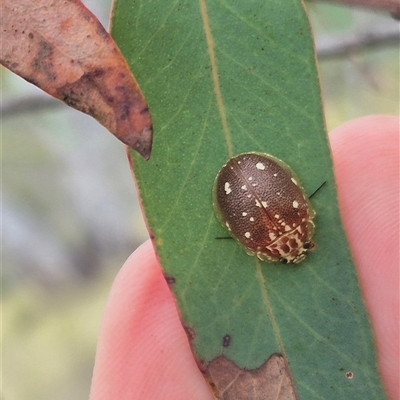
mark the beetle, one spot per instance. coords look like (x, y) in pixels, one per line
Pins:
(259, 200)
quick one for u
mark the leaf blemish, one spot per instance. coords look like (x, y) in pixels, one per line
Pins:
(226, 341)
(349, 374)
(190, 332)
(228, 380)
(170, 279)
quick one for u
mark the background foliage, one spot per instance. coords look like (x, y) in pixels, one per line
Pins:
(73, 226)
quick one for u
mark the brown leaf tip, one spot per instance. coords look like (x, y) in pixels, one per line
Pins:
(271, 380)
(141, 142)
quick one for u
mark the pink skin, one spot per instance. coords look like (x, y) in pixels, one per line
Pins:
(143, 352)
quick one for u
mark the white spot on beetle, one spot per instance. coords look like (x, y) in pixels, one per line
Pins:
(227, 225)
(276, 216)
(247, 234)
(287, 228)
(264, 203)
(295, 204)
(227, 188)
(260, 165)
(244, 214)
(294, 181)
(258, 203)
(244, 187)
(272, 236)
(252, 219)
(250, 178)
(275, 175)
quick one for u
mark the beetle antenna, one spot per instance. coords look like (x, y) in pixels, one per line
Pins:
(316, 190)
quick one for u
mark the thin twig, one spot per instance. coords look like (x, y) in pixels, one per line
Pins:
(327, 48)
(29, 104)
(391, 6)
(342, 46)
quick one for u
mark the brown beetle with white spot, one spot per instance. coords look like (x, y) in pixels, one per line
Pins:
(258, 198)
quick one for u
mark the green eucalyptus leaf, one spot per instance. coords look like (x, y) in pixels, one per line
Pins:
(222, 78)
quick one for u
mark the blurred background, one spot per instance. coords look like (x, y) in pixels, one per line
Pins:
(70, 214)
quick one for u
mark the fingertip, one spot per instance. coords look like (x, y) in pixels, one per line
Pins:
(366, 161)
(143, 351)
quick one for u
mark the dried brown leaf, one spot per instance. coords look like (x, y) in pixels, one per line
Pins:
(271, 381)
(61, 47)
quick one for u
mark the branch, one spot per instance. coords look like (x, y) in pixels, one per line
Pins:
(391, 6)
(32, 103)
(341, 46)
(327, 48)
